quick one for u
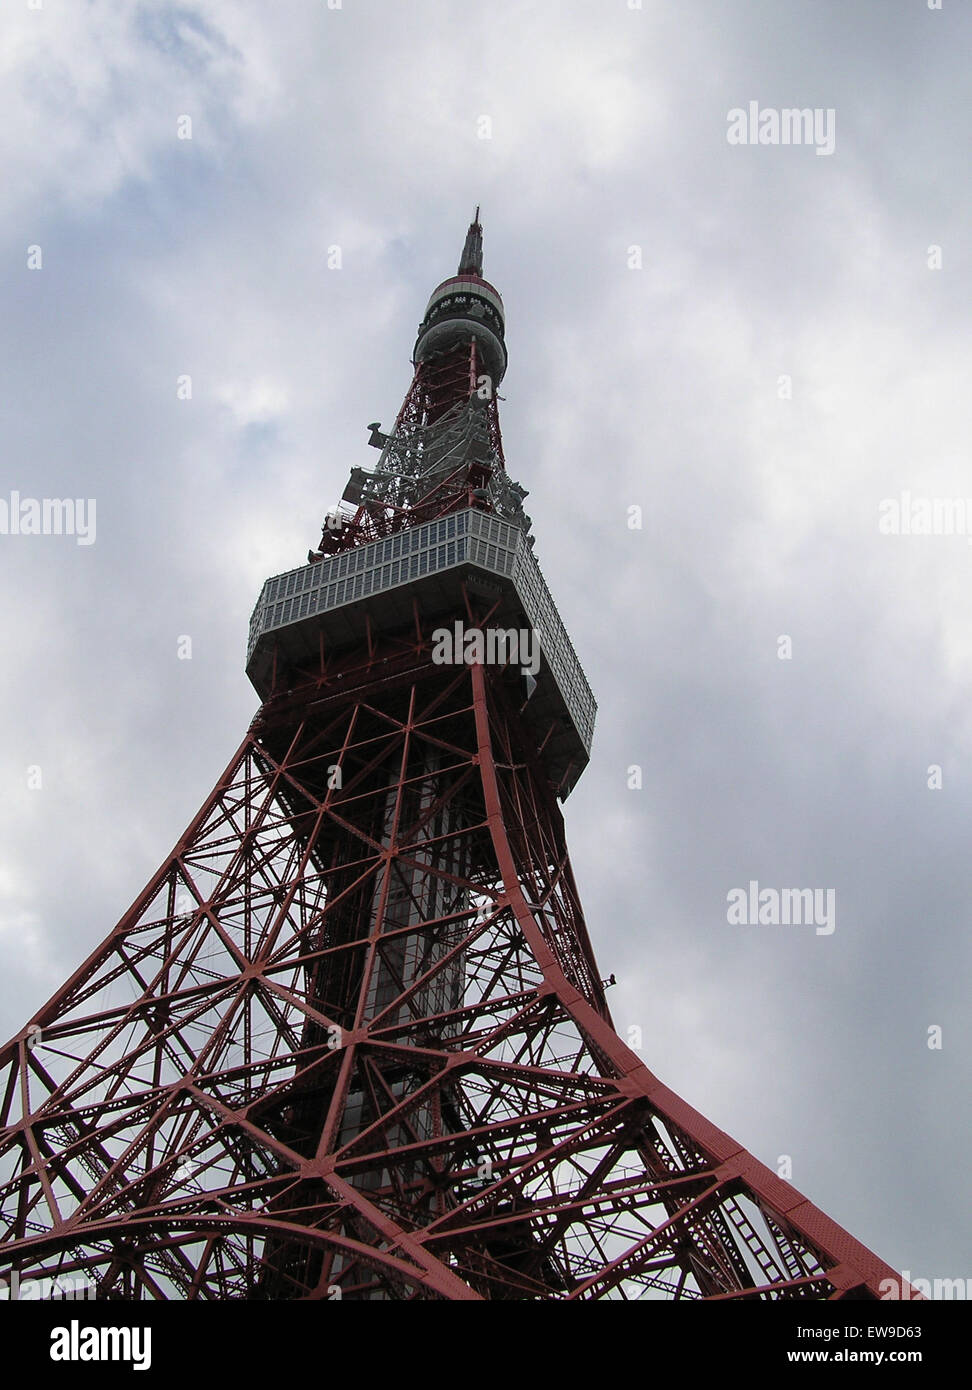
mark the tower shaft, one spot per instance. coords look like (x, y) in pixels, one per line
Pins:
(351, 1040)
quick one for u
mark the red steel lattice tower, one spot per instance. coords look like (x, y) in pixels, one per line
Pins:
(351, 1040)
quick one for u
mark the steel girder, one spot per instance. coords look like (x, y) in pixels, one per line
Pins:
(351, 1041)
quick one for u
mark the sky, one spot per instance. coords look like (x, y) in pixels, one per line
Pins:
(738, 377)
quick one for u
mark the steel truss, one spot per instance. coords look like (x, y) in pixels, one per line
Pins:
(351, 1041)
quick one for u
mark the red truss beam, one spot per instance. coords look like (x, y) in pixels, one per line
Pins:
(440, 384)
(351, 1040)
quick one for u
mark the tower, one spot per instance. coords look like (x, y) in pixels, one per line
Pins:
(351, 1040)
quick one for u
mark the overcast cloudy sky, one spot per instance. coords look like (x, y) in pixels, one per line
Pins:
(589, 131)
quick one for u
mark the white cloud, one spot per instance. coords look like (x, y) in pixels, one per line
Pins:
(357, 127)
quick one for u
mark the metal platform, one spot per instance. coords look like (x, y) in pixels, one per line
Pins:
(429, 563)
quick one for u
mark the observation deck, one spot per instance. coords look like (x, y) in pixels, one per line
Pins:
(378, 582)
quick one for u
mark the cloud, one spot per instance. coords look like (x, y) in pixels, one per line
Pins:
(360, 128)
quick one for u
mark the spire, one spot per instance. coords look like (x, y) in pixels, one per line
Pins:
(471, 262)
(465, 307)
